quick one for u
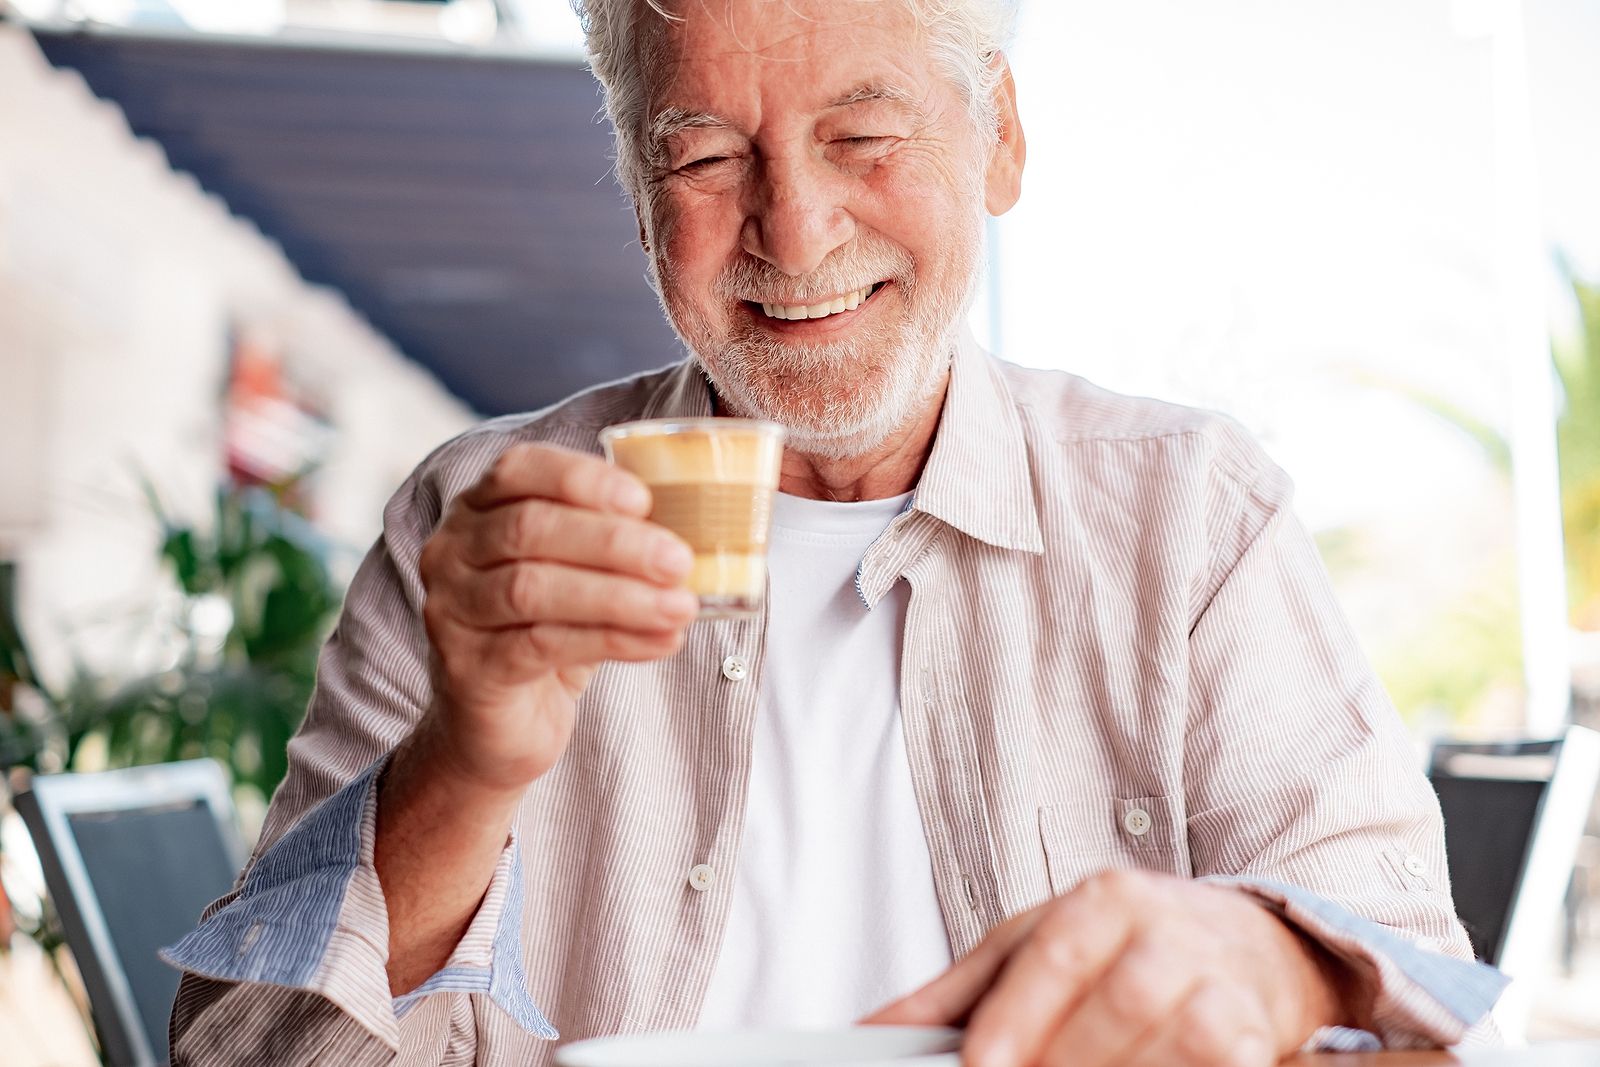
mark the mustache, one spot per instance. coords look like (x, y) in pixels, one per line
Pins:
(862, 262)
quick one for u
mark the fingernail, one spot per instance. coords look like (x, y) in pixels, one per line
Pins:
(672, 558)
(678, 602)
(630, 496)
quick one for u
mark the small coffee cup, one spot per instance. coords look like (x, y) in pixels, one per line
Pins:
(851, 1046)
(712, 482)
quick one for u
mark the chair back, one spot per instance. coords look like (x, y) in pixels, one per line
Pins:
(131, 858)
(1514, 813)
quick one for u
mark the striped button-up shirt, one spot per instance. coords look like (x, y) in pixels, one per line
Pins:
(1120, 650)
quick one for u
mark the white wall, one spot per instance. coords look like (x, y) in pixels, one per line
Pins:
(119, 281)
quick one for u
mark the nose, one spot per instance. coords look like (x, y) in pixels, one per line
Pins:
(796, 216)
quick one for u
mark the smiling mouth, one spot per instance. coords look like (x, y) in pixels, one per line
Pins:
(836, 306)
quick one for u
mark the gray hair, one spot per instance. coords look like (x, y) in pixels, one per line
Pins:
(965, 37)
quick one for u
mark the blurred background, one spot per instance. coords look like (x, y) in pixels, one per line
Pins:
(259, 257)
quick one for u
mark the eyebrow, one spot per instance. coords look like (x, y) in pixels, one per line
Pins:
(867, 92)
(672, 121)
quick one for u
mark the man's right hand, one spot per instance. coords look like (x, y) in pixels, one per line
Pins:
(541, 571)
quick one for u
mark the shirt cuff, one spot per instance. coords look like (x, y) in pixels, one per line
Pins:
(1425, 999)
(310, 915)
(488, 958)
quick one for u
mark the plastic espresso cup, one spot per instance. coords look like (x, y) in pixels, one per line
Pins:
(712, 481)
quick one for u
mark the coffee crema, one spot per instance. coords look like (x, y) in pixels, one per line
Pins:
(712, 482)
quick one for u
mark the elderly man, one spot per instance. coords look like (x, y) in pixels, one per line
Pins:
(1051, 725)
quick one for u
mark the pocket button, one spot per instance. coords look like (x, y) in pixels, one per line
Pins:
(1136, 822)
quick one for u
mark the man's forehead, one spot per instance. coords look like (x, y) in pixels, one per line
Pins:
(816, 54)
(777, 29)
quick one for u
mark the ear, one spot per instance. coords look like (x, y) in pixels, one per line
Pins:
(1003, 180)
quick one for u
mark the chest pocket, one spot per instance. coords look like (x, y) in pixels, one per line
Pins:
(1084, 837)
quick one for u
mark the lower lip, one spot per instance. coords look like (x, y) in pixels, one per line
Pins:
(816, 327)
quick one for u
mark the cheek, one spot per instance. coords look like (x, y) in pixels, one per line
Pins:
(919, 208)
(696, 234)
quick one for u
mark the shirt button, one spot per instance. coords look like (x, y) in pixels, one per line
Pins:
(702, 876)
(1136, 822)
(734, 668)
(1415, 866)
(251, 936)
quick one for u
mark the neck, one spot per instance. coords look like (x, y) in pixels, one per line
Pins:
(888, 470)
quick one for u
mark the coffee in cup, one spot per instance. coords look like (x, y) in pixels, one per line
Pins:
(712, 482)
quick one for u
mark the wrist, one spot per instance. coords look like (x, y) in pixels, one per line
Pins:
(428, 763)
(1333, 991)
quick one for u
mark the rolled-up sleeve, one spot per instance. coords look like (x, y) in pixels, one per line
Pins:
(1301, 785)
(311, 917)
(1424, 996)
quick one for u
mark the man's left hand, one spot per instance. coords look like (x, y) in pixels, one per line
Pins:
(1134, 969)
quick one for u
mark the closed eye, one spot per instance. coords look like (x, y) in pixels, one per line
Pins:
(704, 163)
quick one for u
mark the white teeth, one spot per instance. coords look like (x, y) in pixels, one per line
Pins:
(847, 302)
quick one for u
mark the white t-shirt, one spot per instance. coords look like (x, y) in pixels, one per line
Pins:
(833, 910)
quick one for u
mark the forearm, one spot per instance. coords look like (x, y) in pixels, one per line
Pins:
(439, 836)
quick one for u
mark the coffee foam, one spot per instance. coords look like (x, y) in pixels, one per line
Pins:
(697, 457)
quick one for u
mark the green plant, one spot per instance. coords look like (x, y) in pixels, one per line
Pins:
(257, 601)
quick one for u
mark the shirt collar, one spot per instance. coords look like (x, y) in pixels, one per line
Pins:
(685, 393)
(977, 478)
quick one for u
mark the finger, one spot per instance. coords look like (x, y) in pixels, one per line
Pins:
(523, 594)
(528, 472)
(542, 529)
(1133, 997)
(511, 656)
(1078, 937)
(950, 997)
(1216, 1025)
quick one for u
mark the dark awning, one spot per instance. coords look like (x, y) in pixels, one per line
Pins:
(463, 203)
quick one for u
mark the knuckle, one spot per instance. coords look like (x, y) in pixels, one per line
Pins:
(545, 642)
(429, 560)
(1207, 1032)
(575, 479)
(505, 465)
(1122, 884)
(620, 543)
(1059, 953)
(530, 526)
(615, 644)
(1132, 989)
(525, 589)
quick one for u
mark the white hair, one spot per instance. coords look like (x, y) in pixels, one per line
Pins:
(965, 38)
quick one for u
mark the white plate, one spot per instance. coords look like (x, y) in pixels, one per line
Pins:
(857, 1046)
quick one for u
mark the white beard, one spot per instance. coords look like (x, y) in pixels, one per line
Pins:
(836, 399)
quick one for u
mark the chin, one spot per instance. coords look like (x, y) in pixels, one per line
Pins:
(830, 419)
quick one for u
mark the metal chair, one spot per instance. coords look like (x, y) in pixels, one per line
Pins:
(131, 857)
(1514, 815)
